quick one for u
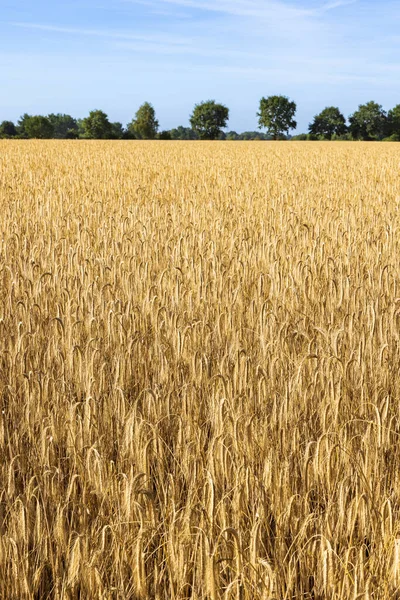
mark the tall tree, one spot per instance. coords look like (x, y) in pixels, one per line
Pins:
(368, 122)
(7, 129)
(277, 115)
(36, 126)
(393, 122)
(329, 122)
(97, 126)
(145, 125)
(21, 125)
(208, 118)
(64, 126)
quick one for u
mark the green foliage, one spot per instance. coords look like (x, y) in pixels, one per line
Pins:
(328, 123)
(301, 137)
(311, 137)
(145, 125)
(277, 114)
(208, 119)
(369, 122)
(393, 122)
(35, 126)
(247, 135)
(186, 133)
(117, 131)
(128, 134)
(63, 125)
(254, 135)
(72, 134)
(232, 135)
(164, 135)
(183, 133)
(21, 125)
(7, 129)
(97, 126)
(395, 137)
(345, 137)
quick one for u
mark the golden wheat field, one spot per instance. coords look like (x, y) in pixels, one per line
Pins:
(199, 371)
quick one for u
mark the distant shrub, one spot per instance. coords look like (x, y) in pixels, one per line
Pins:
(395, 137)
(164, 135)
(72, 134)
(306, 137)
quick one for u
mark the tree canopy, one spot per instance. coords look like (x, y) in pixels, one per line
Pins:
(328, 123)
(35, 126)
(393, 122)
(64, 126)
(97, 126)
(183, 133)
(8, 129)
(207, 122)
(117, 131)
(277, 114)
(208, 119)
(368, 122)
(145, 125)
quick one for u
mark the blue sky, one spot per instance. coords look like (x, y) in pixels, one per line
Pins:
(76, 55)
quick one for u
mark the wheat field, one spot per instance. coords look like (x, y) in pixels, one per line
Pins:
(199, 370)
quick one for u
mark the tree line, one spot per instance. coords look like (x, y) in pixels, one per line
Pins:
(276, 116)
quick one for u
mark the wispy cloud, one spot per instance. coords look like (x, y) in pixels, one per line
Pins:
(242, 8)
(335, 4)
(102, 33)
(190, 49)
(156, 43)
(296, 76)
(251, 8)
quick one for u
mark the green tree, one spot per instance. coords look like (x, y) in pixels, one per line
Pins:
(232, 136)
(247, 135)
(36, 126)
(145, 125)
(72, 134)
(96, 126)
(208, 119)
(128, 134)
(117, 131)
(183, 133)
(164, 135)
(277, 115)
(369, 122)
(7, 129)
(329, 122)
(21, 125)
(393, 122)
(254, 135)
(63, 125)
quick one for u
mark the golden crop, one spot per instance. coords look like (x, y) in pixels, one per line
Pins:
(199, 370)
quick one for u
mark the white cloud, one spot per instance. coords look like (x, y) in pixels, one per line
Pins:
(264, 9)
(259, 9)
(336, 4)
(101, 33)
